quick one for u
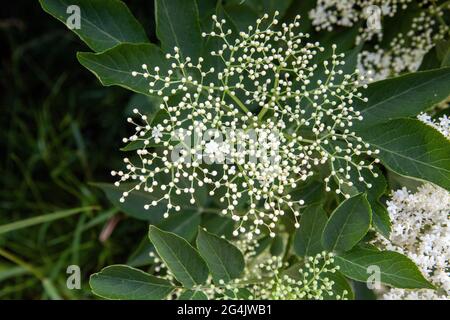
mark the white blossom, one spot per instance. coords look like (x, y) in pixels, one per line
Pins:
(405, 51)
(421, 231)
(157, 133)
(442, 124)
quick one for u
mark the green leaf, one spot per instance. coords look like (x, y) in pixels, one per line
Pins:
(148, 105)
(412, 148)
(380, 216)
(224, 260)
(270, 6)
(122, 282)
(430, 61)
(395, 269)
(183, 224)
(206, 8)
(177, 25)
(443, 52)
(345, 40)
(348, 224)
(264, 244)
(278, 246)
(307, 241)
(403, 96)
(446, 60)
(311, 192)
(115, 66)
(264, 6)
(361, 291)
(240, 294)
(134, 204)
(180, 257)
(218, 224)
(103, 23)
(240, 16)
(340, 287)
(192, 295)
(301, 8)
(141, 255)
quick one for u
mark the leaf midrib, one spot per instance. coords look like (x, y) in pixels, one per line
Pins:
(176, 258)
(222, 264)
(411, 159)
(413, 88)
(170, 23)
(147, 283)
(344, 225)
(362, 269)
(94, 25)
(309, 239)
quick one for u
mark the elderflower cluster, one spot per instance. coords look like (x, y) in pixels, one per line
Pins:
(267, 277)
(330, 13)
(251, 130)
(442, 124)
(405, 51)
(421, 231)
(308, 282)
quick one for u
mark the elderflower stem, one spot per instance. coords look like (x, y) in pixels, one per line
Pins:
(262, 113)
(238, 102)
(435, 6)
(277, 80)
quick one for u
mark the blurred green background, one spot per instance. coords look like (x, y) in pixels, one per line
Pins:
(60, 131)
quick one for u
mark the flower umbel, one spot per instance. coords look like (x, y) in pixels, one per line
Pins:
(421, 230)
(406, 50)
(268, 277)
(251, 130)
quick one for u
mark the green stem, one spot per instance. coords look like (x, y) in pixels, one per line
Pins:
(238, 102)
(275, 86)
(447, 3)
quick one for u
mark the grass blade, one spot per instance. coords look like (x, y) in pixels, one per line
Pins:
(41, 219)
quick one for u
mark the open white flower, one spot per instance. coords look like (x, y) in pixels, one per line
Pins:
(406, 50)
(157, 133)
(421, 231)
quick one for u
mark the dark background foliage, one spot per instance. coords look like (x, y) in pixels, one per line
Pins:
(60, 130)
